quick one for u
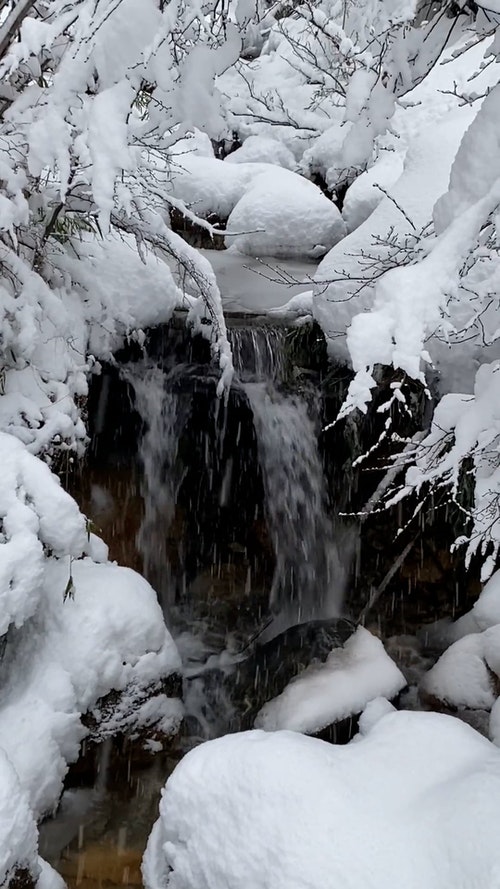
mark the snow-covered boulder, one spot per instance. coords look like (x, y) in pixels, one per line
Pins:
(263, 150)
(211, 186)
(272, 211)
(461, 678)
(18, 833)
(108, 635)
(413, 802)
(36, 514)
(283, 215)
(341, 687)
(325, 156)
(467, 675)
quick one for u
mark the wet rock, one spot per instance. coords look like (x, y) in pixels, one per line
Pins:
(270, 667)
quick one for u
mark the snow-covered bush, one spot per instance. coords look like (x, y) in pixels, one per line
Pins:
(93, 97)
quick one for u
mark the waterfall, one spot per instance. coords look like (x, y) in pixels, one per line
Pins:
(163, 414)
(309, 579)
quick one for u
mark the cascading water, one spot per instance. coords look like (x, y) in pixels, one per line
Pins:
(308, 579)
(163, 414)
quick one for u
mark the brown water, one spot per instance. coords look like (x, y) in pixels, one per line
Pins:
(98, 837)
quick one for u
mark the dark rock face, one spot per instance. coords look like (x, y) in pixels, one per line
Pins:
(269, 668)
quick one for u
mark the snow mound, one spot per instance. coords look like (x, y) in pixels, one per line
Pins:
(340, 687)
(461, 678)
(467, 675)
(211, 186)
(109, 636)
(486, 611)
(325, 157)
(35, 514)
(263, 150)
(18, 833)
(281, 214)
(412, 803)
(366, 192)
(271, 211)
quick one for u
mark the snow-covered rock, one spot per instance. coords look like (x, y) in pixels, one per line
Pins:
(326, 693)
(413, 803)
(270, 210)
(208, 185)
(263, 150)
(108, 635)
(461, 677)
(325, 156)
(467, 675)
(18, 833)
(36, 514)
(80, 627)
(282, 214)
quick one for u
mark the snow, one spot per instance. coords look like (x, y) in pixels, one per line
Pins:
(461, 677)
(261, 203)
(413, 802)
(365, 193)
(266, 218)
(35, 513)
(108, 634)
(494, 731)
(263, 150)
(427, 129)
(486, 611)
(18, 833)
(340, 687)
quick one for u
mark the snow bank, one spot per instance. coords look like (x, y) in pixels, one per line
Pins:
(282, 214)
(340, 687)
(413, 803)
